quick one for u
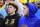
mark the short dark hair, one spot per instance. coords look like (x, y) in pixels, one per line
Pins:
(27, 4)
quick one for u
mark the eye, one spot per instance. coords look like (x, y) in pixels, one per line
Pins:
(10, 7)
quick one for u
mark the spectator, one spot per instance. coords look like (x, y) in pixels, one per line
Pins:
(13, 18)
(20, 12)
(29, 19)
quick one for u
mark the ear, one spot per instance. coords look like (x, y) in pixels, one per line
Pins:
(15, 9)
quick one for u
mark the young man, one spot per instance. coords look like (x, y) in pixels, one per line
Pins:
(6, 5)
(12, 19)
(29, 19)
(2, 8)
(20, 12)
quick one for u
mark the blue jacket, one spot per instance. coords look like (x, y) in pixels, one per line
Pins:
(32, 20)
(3, 12)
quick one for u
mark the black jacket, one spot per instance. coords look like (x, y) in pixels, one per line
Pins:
(1, 22)
(12, 21)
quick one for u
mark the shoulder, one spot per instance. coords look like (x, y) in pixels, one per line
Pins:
(22, 18)
(7, 17)
(37, 17)
(37, 24)
(17, 16)
(38, 21)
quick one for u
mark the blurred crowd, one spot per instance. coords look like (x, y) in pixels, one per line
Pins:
(13, 13)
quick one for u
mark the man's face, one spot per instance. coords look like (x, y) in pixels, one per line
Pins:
(25, 10)
(11, 9)
(1, 2)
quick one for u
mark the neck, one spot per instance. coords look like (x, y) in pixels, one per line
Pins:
(12, 13)
(28, 14)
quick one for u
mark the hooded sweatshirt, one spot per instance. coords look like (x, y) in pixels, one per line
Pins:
(32, 20)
